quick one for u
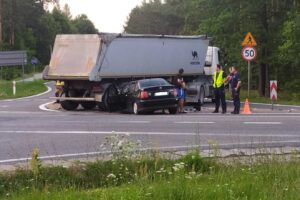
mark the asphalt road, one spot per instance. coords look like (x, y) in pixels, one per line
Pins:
(60, 134)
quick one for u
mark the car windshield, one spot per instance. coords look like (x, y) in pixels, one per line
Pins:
(153, 83)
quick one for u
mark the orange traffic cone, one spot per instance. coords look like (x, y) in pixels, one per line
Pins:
(247, 108)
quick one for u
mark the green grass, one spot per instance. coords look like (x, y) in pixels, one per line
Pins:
(190, 177)
(23, 89)
(287, 98)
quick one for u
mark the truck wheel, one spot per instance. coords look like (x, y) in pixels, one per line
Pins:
(198, 106)
(69, 105)
(88, 105)
(135, 108)
(201, 95)
(173, 111)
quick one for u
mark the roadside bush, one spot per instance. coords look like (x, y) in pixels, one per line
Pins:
(292, 86)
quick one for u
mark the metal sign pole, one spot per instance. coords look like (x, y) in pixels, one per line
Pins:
(23, 71)
(248, 79)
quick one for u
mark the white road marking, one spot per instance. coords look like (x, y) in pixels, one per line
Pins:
(256, 115)
(53, 156)
(44, 107)
(194, 122)
(19, 112)
(4, 106)
(263, 123)
(230, 146)
(242, 115)
(147, 133)
(133, 122)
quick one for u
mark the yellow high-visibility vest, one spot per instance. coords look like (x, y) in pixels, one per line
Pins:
(218, 81)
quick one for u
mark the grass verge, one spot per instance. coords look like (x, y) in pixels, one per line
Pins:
(190, 177)
(283, 97)
(23, 89)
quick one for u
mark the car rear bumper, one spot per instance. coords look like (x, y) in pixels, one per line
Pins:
(145, 105)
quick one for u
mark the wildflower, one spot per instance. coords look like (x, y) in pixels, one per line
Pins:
(192, 173)
(188, 177)
(175, 168)
(127, 134)
(120, 143)
(112, 176)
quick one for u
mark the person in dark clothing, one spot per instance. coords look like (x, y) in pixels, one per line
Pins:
(219, 79)
(235, 88)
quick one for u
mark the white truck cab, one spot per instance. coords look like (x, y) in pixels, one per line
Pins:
(199, 88)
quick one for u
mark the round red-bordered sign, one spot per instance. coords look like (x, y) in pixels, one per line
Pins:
(249, 53)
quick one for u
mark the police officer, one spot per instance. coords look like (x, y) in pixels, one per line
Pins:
(235, 88)
(219, 79)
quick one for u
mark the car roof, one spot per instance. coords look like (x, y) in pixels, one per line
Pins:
(149, 79)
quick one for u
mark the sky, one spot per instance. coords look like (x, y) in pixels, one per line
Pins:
(107, 15)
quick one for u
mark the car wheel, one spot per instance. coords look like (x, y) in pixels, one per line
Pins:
(173, 111)
(135, 108)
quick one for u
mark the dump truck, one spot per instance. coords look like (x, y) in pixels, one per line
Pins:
(94, 66)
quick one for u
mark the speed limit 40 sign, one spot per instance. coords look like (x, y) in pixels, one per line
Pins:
(249, 53)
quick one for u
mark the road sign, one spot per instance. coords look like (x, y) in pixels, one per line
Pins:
(249, 53)
(249, 41)
(273, 90)
(13, 58)
(34, 61)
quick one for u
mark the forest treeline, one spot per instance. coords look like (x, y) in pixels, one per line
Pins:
(275, 24)
(30, 25)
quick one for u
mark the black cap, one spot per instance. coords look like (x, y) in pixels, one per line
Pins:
(181, 71)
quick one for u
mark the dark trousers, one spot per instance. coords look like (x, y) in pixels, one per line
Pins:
(220, 97)
(236, 101)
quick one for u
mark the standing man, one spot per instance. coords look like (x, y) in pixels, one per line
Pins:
(180, 85)
(219, 79)
(235, 88)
